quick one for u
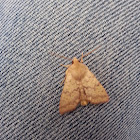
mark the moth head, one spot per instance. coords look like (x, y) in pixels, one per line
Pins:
(75, 60)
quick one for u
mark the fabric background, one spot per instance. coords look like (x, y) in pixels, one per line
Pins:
(30, 77)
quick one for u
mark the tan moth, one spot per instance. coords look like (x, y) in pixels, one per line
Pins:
(80, 87)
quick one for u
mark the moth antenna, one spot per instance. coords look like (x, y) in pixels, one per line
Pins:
(60, 56)
(91, 51)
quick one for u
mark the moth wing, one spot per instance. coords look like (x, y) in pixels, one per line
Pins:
(70, 96)
(95, 92)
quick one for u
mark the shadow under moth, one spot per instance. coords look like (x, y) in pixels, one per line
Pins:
(80, 87)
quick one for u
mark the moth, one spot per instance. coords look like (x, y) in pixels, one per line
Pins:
(80, 87)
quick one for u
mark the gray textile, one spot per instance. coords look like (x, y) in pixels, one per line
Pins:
(30, 77)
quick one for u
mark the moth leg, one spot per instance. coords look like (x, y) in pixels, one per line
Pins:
(66, 66)
(62, 82)
(82, 58)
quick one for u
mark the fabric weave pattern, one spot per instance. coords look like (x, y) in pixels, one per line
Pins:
(30, 77)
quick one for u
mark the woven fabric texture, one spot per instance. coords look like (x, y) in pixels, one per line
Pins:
(30, 76)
